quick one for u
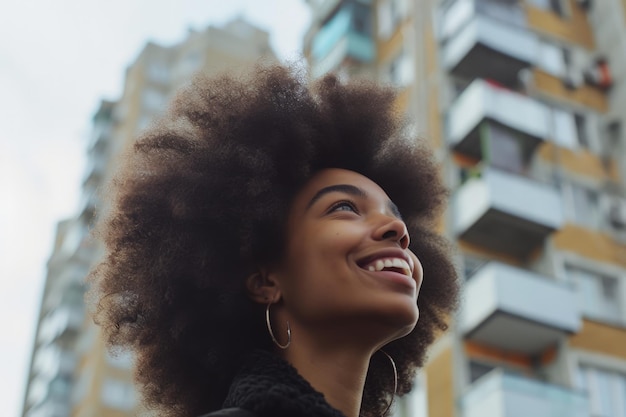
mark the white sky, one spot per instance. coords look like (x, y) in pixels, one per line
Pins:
(57, 60)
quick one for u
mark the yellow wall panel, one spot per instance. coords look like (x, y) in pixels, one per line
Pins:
(435, 135)
(574, 28)
(389, 48)
(431, 48)
(440, 385)
(481, 252)
(580, 161)
(590, 244)
(585, 95)
(600, 338)
(401, 104)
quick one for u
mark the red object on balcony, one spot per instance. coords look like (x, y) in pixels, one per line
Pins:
(599, 74)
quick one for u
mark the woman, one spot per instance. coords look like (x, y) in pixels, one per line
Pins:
(265, 250)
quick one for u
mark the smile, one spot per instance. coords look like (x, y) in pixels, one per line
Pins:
(389, 264)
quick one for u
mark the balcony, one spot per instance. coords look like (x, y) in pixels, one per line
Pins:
(344, 36)
(64, 321)
(499, 394)
(51, 362)
(485, 47)
(506, 213)
(50, 407)
(482, 102)
(517, 310)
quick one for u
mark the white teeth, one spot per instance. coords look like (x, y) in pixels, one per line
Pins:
(380, 265)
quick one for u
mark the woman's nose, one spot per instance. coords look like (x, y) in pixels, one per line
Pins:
(392, 228)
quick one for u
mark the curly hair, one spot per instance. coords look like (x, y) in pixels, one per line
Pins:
(201, 201)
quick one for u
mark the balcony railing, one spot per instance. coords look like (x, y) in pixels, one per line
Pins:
(485, 47)
(499, 394)
(517, 310)
(482, 101)
(353, 45)
(459, 12)
(346, 35)
(63, 321)
(506, 213)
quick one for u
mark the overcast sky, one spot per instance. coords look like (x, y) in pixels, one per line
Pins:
(57, 60)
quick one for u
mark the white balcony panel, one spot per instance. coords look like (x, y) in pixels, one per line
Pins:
(63, 320)
(498, 394)
(506, 212)
(483, 101)
(506, 48)
(455, 17)
(517, 310)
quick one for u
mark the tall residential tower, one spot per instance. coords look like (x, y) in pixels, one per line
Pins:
(71, 372)
(524, 102)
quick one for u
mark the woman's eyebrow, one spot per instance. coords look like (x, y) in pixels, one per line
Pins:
(342, 188)
(351, 190)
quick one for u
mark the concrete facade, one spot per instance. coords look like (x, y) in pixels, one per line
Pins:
(523, 102)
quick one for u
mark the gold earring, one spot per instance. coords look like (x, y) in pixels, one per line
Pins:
(269, 328)
(395, 381)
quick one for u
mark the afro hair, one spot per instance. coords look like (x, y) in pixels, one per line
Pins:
(201, 201)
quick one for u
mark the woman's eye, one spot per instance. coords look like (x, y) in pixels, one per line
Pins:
(344, 206)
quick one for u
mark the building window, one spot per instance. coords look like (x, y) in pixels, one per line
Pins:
(361, 19)
(605, 389)
(390, 14)
(401, 70)
(117, 394)
(598, 295)
(159, 73)
(582, 206)
(581, 130)
(504, 150)
(612, 137)
(153, 100)
(122, 359)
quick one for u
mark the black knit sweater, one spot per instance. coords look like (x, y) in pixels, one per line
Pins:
(270, 387)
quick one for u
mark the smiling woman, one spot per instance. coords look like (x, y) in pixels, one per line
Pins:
(266, 246)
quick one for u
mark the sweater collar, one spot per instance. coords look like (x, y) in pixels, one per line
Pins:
(270, 387)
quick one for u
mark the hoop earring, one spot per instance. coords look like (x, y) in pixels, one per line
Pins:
(269, 328)
(395, 381)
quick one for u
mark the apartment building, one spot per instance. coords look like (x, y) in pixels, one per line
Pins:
(72, 374)
(523, 101)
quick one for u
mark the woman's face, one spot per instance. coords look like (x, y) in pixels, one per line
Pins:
(347, 264)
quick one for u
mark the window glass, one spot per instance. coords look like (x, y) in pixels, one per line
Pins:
(606, 390)
(361, 19)
(581, 129)
(118, 394)
(505, 150)
(583, 206)
(598, 295)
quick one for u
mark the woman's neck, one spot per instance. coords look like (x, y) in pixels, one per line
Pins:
(337, 372)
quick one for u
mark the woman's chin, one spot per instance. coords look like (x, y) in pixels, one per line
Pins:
(402, 319)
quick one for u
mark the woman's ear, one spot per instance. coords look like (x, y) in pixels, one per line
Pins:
(262, 287)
